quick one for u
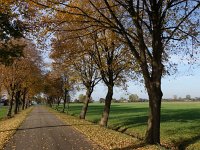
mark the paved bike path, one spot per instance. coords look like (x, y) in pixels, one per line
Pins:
(44, 131)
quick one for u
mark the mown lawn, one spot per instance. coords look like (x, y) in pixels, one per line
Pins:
(3, 111)
(180, 121)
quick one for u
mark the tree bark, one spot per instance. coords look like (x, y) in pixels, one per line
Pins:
(153, 85)
(68, 100)
(23, 102)
(153, 130)
(50, 101)
(153, 82)
(11, 105)
(64, 106)
(106, 111)
(17, 101)
(24, 98)
(65, 100)
(85, 104)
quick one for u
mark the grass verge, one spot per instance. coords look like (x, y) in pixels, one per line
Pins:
(9, 126)
(179, 121)
(106, 138)
(3, 112)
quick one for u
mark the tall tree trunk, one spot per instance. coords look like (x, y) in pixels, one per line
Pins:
(64, 106)
(11, 104)
(153, 86)
(17, 101)
(50, 101)
(68, 101)
(153, 130)
(65, 100)
(85, 104)
(24, 99)
(106, 111)
(153, 83)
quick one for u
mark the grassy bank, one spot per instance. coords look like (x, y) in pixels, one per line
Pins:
(179, 122)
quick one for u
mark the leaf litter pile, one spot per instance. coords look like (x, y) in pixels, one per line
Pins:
(9, 126)
(106, 138)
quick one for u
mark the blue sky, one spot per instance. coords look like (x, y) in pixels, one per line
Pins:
(186, 81)
(180, 85)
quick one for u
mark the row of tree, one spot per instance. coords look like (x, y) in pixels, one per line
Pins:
(117, 40)
(20, 62)
(108, 38)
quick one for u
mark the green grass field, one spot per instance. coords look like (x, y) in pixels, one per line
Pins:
(180, 121)
(3, 111)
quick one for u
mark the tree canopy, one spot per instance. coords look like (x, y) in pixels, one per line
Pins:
(111, 40)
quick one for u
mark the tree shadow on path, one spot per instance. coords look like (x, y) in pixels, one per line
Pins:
(42, 127)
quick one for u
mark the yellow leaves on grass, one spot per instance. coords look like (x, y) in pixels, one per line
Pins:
(9, 126)
(104, 137)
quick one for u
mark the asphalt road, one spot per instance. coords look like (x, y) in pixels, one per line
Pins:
(44, 131)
